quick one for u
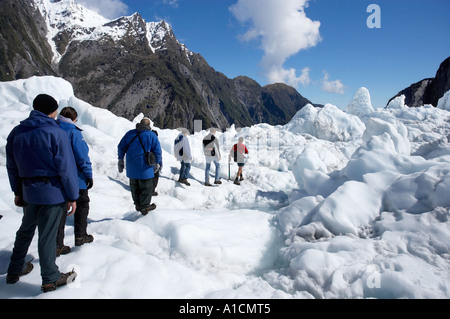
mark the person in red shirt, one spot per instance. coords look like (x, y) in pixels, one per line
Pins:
(238, 152)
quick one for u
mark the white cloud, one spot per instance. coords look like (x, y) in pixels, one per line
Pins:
(283, 30)
(173, 3)
(277, 75)
(108, 8)
(335, 86)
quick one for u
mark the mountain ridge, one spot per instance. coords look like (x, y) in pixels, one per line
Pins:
(429, 90)
(130, 66)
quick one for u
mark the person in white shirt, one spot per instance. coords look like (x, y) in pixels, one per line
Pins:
(182, 152)
(211, 150)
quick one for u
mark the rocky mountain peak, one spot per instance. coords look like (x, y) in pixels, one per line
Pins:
(130, 66)
(430, 90)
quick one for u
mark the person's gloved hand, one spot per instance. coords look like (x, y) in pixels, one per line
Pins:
(89, 183)
(18, 200)
(121, 165)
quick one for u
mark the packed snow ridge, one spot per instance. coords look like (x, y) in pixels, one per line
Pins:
(342, 202)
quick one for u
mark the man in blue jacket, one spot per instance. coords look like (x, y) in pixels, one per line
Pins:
(134, 144)
(66, 120)
(43, 176)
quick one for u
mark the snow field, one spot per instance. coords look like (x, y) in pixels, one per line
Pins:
(338, 203)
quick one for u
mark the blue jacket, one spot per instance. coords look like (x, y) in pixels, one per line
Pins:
(40, 162)
(80, 151)
(136, 166)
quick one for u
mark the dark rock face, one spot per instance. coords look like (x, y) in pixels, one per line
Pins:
(441, 83)
(24, 50)
(428, 91)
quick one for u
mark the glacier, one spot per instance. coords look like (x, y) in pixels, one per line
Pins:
(334, 204)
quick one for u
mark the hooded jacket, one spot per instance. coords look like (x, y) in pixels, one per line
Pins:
(40, 162)
(136, 166)
(80, 151)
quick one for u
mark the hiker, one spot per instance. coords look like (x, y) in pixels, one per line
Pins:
(67, 118)
(43, 176)
(182, 152)
(136, 144)
(211, 150)
(238, 152)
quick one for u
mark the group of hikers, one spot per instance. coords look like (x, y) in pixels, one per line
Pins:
(50, 173)
(211, 150)
(139, 153)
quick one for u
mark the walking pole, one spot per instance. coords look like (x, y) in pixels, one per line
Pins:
(229, 168)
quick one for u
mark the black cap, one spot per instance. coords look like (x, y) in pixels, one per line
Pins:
(45, 104)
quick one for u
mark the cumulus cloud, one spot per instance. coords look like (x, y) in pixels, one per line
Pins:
(108, 8)
(283, 30)
(289, 76)
(335, 86)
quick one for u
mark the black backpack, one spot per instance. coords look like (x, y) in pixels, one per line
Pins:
(149, 156)
(235, 153)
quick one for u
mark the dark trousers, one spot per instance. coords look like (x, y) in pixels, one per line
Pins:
(141, 192)
(80, 219)
(46, 218)
(155, 181)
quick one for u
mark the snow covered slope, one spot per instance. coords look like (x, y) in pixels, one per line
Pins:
(348, 207)
(81, 24)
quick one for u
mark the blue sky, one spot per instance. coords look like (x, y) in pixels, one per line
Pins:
(324, 48)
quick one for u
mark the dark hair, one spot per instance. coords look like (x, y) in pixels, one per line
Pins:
(69, 112)
(45, 103)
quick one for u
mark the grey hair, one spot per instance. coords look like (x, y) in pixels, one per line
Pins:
(146, 121)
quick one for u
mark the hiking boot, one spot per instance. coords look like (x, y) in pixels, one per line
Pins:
(84, 240)
(63, 280)
(236, 182)
(13, 278)
(208, 184)
(218, 182)
(64, 250)
(148, 209)
(185, 181)
(241, 178)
